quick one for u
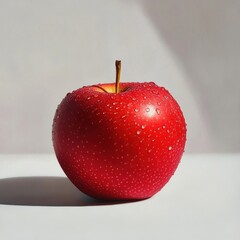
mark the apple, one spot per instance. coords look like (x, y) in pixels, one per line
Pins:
(119, 141)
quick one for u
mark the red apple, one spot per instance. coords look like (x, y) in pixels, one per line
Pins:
(119, 141)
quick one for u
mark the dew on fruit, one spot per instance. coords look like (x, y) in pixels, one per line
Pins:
(143, 126)
(155, 92)
(136, 110)
(144, 97)
(138, 132)
(163, 126)
(170, 148)
(133, 98)
(123, 116)
(158, 111)
(147, 109)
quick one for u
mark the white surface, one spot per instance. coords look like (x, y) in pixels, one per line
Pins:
(50, 47)
(201, 201)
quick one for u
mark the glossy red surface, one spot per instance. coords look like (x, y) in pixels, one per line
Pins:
(119, 146)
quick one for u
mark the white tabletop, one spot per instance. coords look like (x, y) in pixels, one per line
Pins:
(201, 201)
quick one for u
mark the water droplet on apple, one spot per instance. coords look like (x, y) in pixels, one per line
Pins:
(158, 111)
(123, 116)
(170, 148)
(114, 103)
(136, 110)
(138, 132)
(163, 126)
(147, 109)
(143, 126)
(144, 97)
(155, 92)
(159, 104)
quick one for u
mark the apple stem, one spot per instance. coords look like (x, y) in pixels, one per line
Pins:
(118, 73)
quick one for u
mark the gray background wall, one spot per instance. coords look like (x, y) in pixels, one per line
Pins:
(50, 47)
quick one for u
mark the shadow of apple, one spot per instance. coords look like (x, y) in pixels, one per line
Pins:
(45, 191)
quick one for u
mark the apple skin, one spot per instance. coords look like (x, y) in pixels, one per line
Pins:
(119, 146)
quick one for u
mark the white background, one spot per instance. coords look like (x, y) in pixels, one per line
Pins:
(50, 47)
